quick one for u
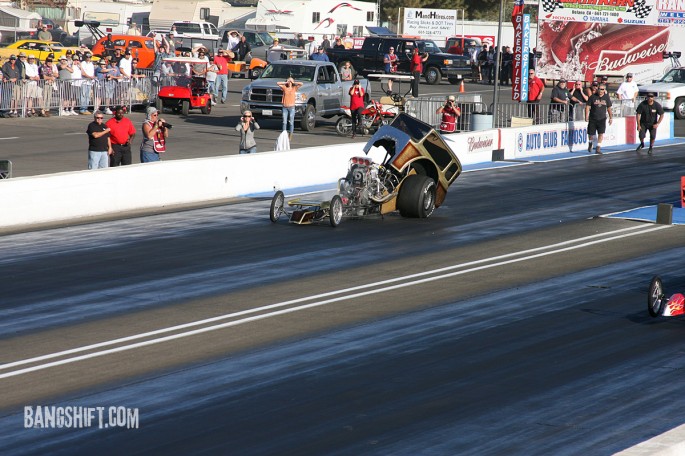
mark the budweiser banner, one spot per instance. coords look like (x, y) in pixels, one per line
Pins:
(581, 50)
(636, 12)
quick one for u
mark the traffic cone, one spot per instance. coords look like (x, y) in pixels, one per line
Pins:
(461, 87)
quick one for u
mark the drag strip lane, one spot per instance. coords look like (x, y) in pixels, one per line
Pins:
(117, 345)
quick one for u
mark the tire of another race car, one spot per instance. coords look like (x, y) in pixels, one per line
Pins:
(335, 211)
(343, 127)
(417, 196)
(185, 107)
(277, 204)
(655, 297)
(308, 121)
(432, 75)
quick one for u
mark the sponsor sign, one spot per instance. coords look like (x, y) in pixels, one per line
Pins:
(521, 51)
(636, 12)
(429, 22)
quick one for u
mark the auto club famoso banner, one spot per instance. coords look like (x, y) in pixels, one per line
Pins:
(429, 23)
(581, 38)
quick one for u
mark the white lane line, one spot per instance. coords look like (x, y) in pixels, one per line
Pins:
(9, 137)
(626, 232)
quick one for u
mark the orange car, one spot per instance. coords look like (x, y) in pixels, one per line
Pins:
(142, 48)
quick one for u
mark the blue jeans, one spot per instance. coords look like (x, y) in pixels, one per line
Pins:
(251, 150)
(221, 84)
(85, 96)
(289, 112)
(97, 159)
(147, 157)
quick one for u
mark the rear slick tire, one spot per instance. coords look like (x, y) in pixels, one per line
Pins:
(417, 197)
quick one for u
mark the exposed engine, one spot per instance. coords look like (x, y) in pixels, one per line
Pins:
(366, 185)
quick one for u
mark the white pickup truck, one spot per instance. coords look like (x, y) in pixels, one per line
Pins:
(322, 93)
(669, 90)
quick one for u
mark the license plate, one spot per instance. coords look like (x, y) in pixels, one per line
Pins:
(267, 112)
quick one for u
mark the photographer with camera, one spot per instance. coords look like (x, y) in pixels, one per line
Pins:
(247, 127)
(356, 105)
(450, 113)
(289, 88)
(155, 134)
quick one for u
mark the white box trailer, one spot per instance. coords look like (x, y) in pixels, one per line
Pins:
(114, 17)
(315, 17)
(166, 12)
(16, 23)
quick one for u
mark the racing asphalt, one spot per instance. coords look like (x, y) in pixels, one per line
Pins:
(512, 321)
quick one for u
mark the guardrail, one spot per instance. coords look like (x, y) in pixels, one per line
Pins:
(26, 97)
(424, 108)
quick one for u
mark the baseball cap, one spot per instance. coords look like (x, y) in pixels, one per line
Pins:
(320, 48)
(13, 57)
(562, 80)
(651, 94)
(451, 98)
(31, 56)
(22, 54)
(594, 84)
(629, 75)
(69, 52)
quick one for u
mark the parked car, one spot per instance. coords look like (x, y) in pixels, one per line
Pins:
(142, 48)
(369, 59)
(190, 29)
(259, 41)
(323, 92)
(670, 90)
(39, 48)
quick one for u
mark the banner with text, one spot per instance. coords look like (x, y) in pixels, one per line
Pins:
(640, 12)
(519, 75)
(429, 22)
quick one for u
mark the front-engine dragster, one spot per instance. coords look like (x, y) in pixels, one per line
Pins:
(413, 178)
(659, 305)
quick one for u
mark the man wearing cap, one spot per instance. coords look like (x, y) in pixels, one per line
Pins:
(13, 71)
(242, 49)
(559, 102)
(88, 75)
(578, 96)
(627, 93)
(122, 133)
(326, 44)
(274, 52)
(596, 111)
(648, 116)
(48, 73)
(356, 105)
(65, 72)
(33, 92)
(320, 55)
(390, 65)
(311, 46)
(125, 65)
(108, 45)
(300, 42)
(44, 34)
(221, 85)
(99, 142)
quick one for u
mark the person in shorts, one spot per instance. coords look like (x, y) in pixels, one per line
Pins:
(596, 111)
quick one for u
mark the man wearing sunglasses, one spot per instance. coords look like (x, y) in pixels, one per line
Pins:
(596, 112)
(99, 144)
(648, 116)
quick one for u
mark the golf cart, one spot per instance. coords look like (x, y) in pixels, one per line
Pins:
(189, 92)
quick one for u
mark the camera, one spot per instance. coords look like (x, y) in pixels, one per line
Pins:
(167, 125)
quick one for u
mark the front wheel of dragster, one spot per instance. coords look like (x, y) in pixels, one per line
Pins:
(655, 297)
(335, 212)
(417, 196)
(277, 206)
(344, 126)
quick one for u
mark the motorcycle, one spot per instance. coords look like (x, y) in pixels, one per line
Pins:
(374, 116)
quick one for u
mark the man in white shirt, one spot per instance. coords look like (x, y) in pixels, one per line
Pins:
(311, 47)
(88, 76)
(274, 53)
(125, 65)
(31, 72)
(627, 92)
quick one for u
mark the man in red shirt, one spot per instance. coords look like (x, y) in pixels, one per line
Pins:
(221, 76)
(122, 132)
(356, 105)
(416, 70)
(535, 89)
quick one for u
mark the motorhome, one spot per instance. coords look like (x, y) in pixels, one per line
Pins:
(165, 12)
(115, 17)
(315, 18)
(16, 24)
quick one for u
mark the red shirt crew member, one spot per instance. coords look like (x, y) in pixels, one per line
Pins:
(122, 132)
(356, 105)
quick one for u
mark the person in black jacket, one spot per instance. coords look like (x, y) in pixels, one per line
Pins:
(648, 116)
(242, 49)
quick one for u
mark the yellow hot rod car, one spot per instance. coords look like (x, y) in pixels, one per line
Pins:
(39, 48)
(413, 179)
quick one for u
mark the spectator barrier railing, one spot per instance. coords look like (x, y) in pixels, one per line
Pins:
(424, 108)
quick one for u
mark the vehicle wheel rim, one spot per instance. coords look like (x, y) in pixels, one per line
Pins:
(428, 199)
(431, 76)
(311, 117)
(681, 109)
(278, 207)
(656, 296)
(336, 211)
